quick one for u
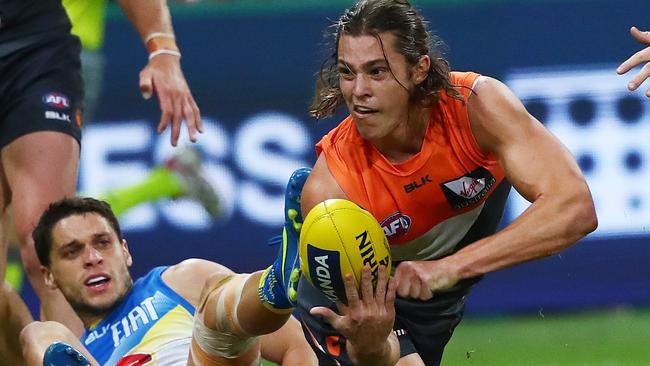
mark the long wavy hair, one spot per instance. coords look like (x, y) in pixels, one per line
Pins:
(413, 40)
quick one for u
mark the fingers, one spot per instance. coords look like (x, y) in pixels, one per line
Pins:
(391, 292)
(146, 84)
(176, 120)
(326, 313)
(382, 279)
(366, 285)
(192, 118)
(351, 292)
(635, 60)
(642, 37)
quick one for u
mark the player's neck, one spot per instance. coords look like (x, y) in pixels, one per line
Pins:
(91, 320)
(406, 139)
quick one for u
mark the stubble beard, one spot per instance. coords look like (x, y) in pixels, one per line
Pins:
(84, 309)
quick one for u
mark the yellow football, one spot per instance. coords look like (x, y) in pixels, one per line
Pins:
(339, 237)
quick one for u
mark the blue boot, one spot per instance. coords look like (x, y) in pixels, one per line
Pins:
(279, 283)
(63, 354)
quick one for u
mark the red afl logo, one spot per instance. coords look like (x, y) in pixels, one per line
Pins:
(56, 100)
(396, 224)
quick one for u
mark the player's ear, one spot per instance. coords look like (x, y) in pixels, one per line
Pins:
(127, 254)
(48, 278)
(421, 69)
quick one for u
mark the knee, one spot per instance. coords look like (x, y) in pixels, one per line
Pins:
(42, 333)
(211, 283)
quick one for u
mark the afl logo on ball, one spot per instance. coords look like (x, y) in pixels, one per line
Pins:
(56, 100)
(396, 224)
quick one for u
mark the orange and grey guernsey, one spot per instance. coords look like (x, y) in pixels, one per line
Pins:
(437, 201)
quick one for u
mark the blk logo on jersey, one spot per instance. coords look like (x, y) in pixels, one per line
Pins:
(56, 100)
(408, 188)
(396, 224)
(468, 189)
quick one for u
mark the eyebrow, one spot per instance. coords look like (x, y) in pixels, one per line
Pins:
(365, 66)
(77, 242)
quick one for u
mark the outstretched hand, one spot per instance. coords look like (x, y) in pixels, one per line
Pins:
(637, 59)
(367, 320)
(164, 77)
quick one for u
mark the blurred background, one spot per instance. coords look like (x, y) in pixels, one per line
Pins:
(251, 67)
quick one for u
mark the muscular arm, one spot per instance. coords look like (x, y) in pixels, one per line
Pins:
(541, 169)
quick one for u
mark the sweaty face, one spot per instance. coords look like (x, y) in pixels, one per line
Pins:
(370, 74)
(89, 264)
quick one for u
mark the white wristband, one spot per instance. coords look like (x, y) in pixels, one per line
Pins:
(164, 52)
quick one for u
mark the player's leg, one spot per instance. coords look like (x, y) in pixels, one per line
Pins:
(235, 309)
(52, 344)
(180, 176)
(229, 320)
(39, 138)
(14, 316)
(13, 312)
(288, 346)
(41, 167)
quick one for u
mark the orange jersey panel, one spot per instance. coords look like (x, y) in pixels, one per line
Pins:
(450, 175)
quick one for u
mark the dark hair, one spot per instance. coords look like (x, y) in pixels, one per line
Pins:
(58, 211)
(413, 40)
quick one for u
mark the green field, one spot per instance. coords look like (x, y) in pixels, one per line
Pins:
(613, 338)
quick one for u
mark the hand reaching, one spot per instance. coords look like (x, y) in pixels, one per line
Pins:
(163, 76)
(637, 59)
(367, 321)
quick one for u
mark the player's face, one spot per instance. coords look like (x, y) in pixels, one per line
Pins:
(89, 264)
(370, 74)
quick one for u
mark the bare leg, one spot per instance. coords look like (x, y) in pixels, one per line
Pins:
(38, 336)
(40, 168)
(288, 346)
(230, 317)
(14, 316)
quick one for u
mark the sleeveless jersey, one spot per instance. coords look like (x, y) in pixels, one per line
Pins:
(439, 199)
(152, 326)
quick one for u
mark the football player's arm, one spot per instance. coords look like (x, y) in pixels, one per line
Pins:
(163, 75)
(541, 169)
(320, 186)
(638, 58)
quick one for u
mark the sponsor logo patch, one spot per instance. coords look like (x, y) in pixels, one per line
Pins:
(469, 189)
(57, 115)
(325, 271)
(396, 224)
(56, 100)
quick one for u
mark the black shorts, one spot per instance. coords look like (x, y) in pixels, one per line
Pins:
(422, 327)
(41, 89)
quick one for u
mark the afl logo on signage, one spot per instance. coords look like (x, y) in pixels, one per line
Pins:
(396, 224)
(56, 100)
